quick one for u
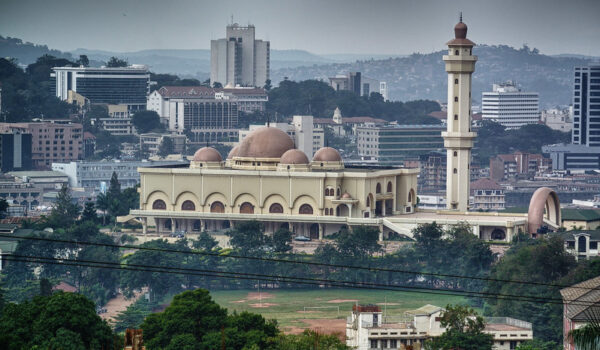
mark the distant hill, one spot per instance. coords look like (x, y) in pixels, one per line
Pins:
(26, 52)
(422, 76)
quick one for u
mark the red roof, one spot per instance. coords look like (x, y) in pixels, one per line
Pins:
(485, 184)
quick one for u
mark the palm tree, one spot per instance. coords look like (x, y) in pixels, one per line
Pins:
(588, 336)
(103, 204)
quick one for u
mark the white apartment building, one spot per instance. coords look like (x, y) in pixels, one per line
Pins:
(368, 329)
(307, 138)
(510, 106)
(151, 142)
(558, 119)
(239, 59)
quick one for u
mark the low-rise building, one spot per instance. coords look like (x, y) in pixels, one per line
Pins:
(15, 191)
(345, 126)
(518, 165)
(151, 142)
(558, 119)
(583, 244)
(580, 219)
(573, 156)
(580, 307)
(367, 328)
(95, 175)
(487, 195)
(45, 179)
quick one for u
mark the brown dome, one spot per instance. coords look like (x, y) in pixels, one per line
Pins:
(460, 30)
(265, 143)
(327, 154)
(346, 195)
(207, 154)
(294, 156)
(234, 151)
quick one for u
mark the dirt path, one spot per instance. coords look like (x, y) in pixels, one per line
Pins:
(116, 305)
(323, 326)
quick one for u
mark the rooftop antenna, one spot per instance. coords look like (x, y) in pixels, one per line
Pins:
(460, 16)
(232, 19)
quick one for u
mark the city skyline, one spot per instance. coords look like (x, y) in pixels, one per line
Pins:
(357, 27)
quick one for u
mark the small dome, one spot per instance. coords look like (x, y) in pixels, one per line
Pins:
(294, 156)
(346, 195)
(234, 152)
(207, 154)
(460, 30)
(265, 142)
(327, 154)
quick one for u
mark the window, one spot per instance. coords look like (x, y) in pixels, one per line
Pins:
(455, 153)
(455, 171)
(373, 343)
(456, 117)
(159, 204)
(594, 245)
(456, 52)
(368, 202)
(389, 187)
(188, 205)
(455, 99)
(246, 208)
(276, 208)
(393, 343)
(378, 188)
(217, 207)
(338, 191)
(455, 81)
(305, 209)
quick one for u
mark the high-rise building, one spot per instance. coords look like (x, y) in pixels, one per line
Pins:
(586, 106)
(239, 59)
(50, 142)
(459, 139)
(15, 151)
(359, 84)
(510, 106)
(123, 85)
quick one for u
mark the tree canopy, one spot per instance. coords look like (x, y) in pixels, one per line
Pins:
(146, 121)
(115, 62)
(464, 330)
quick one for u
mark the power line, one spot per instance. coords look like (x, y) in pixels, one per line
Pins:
(312, 263)
(289, 279)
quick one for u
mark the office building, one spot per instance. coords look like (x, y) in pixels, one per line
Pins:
(307, 138)
(359, 84)
(15, 151)
(584, 151)
(586, 106)
(16, 191)
(518, 165)
(123, 85)
(248, 100)
(509, 106)
(392, 144)
(239, 59)
(96, 175)
(50, 142)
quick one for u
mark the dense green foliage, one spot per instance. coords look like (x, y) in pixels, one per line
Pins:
(26, 94)
(320, 100)
(116, 202)
(59, 321)
(493, 139)
(195, 321)
(464, 330)
(146, 121)
(65, 211)
(173, 80)
(115, 62)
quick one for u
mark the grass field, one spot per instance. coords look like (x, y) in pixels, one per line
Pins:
(287, 306)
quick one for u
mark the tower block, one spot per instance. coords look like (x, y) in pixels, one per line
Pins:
(459, 139)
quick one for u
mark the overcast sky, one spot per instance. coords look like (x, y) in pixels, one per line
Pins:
(318, 26)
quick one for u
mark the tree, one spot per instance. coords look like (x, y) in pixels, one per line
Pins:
(115, 62)
(309, 340)
(146, 121)
(102, 203)
(3, 207)
(83, 60)
(89, 212)
(59, 321)
(217, 85)
(588, 336)
(166, 147)
(537, 344)
(65, 212)
(195, 321)
(464, 330)
(268, 85)
(281, 240)
(205, 242)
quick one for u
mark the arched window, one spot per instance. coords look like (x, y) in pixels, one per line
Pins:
(389, 187)
(338, 191)
(246, 208)
(378, 188)
(305, 209)
(455, 81)
(326, 211)
(217, 207)
(188, 205)
(276, 208)
(159, 204)
(581, 244)
(456, 117)
(368, 201)
(410, 196)
(455, 99)
(455, 153)
(455, 171)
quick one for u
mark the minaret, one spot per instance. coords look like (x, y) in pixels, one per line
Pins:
(458, 139)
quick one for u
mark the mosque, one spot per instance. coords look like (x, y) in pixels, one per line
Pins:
(266, 178)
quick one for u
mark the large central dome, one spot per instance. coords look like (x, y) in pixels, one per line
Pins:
(265, 142)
